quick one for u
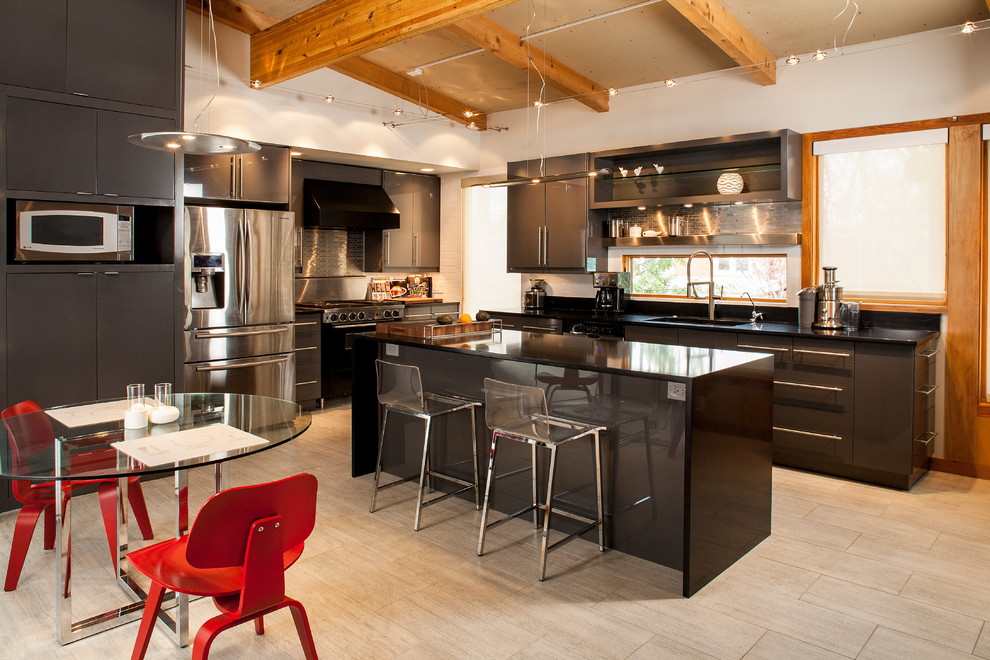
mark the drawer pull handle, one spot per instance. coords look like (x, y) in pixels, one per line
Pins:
(763, 348)
(301, 323)
(929, 353)
(308, 382)
(306, 348)
(815, 435)
(828, 353)
(926, 389)
(828, 388)
(241, 333)
(927, 438)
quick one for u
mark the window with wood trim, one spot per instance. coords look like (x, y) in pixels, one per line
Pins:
(762, 276)
(881, 215)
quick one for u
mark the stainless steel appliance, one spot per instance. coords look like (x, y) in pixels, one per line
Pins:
(341, 320)
(239, 302)
(65, 231)
(536, 296)
(829, 302)
(612, 288)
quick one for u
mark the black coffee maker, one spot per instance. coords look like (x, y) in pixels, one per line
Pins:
(612, 289)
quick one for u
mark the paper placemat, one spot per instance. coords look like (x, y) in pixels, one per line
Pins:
(184, 445)
(93, 413)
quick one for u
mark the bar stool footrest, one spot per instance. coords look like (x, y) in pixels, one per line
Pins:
(570, 537)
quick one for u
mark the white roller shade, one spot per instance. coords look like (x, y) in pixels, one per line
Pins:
(886, 141)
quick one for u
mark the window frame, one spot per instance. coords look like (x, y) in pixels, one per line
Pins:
(627, 266)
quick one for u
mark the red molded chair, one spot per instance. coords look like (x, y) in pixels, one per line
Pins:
(237, 551)
(31, 435)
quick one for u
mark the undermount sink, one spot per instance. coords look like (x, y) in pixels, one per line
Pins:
(697, 320)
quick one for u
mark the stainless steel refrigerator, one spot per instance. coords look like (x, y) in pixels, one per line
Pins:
(239, 302)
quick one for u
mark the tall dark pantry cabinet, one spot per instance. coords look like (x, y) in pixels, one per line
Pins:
(76, 78)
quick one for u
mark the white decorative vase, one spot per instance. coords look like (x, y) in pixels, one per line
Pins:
(730, 183)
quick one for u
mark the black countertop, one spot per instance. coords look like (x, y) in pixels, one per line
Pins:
(666, 361)
(875, 333)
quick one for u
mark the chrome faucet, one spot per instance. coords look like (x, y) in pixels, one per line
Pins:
(693, 288)
(757, 314)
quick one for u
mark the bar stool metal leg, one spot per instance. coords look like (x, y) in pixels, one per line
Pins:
(547, 510)
(422, 474)
(598, 483)
(474, 460)
(536, 491)
(378, 462)
(488, 490)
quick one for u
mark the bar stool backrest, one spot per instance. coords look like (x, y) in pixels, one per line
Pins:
(400, 386)
(516, 409)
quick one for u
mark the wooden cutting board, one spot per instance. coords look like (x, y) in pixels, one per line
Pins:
(427, 329)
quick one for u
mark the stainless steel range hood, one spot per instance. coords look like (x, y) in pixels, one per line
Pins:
(337, 205)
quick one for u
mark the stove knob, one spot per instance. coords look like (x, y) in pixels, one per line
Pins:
(387, 313)
(351, 316)
(360, 316)
(333, 316)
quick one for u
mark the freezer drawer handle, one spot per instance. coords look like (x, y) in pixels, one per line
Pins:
(242, 333)
(307, 382)
(828, 353)
(763, 348)
(816, 435)
(926, 389)
(927, 438)
(226, 367)
(302, 323)
(306, 348)
(828, 388)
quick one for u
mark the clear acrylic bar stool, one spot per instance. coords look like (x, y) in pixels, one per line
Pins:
(519, 412)
(400, 390)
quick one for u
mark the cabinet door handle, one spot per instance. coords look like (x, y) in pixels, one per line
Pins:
(388, 248)
(828, 353)
(814, 435)
(546, 246)
(929, 353)
(110, 273)
(86, 274)
(827, 388)
(106, 194)
(415, 258)
(763, 348)
(928, 437)
(302, 323)
(926, 389)
(81, 192)
(539, 245)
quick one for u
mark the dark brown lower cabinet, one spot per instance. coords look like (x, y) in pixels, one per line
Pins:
(81, 336)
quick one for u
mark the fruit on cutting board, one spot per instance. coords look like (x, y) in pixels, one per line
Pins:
(465, 318)
(444, 319)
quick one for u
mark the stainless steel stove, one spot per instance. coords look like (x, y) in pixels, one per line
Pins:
(353, 312)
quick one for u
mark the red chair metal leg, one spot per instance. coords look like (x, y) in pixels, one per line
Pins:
(156, 594)
(23, 531)
(135, 495)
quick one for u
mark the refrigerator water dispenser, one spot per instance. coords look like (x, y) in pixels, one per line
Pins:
(208, 275)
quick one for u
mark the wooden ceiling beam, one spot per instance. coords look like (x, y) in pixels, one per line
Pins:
(728, 34)
(338, 29)
(239, 16)
(235, 14)
(486, 33)
(406, 88)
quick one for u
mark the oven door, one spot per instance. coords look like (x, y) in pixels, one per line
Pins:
(338, 358)
(266, 375)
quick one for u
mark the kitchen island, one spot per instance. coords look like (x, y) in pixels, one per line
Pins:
(687, 453)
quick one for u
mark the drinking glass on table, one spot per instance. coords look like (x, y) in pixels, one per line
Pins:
(163, 394)
(135, 396)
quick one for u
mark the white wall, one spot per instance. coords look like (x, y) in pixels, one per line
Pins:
(920, 77)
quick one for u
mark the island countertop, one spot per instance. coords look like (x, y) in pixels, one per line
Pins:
(607, 355)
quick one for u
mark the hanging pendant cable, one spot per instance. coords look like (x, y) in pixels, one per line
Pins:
(852, 19)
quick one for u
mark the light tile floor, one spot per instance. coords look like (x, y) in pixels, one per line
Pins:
(850, 571)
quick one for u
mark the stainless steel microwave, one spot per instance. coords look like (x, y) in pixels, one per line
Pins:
(56, 231)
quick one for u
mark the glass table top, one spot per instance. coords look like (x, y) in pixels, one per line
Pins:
(89, 441)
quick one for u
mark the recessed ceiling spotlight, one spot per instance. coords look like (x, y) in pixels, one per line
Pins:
(397, 112)
(819, 55)
(256, 84)
(669, 82)
(612, 91)
(968, 27)
(427, 169)
(295, 153)
(738, 203)
(640, 208)
(538, 104)
(687, 206)
(468, 114)
(328, 98)
(792, 60)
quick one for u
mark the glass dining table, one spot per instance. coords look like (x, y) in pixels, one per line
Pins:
(89, 442)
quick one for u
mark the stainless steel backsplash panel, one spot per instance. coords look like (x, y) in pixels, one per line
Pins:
(330, 288)
(332, 252)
